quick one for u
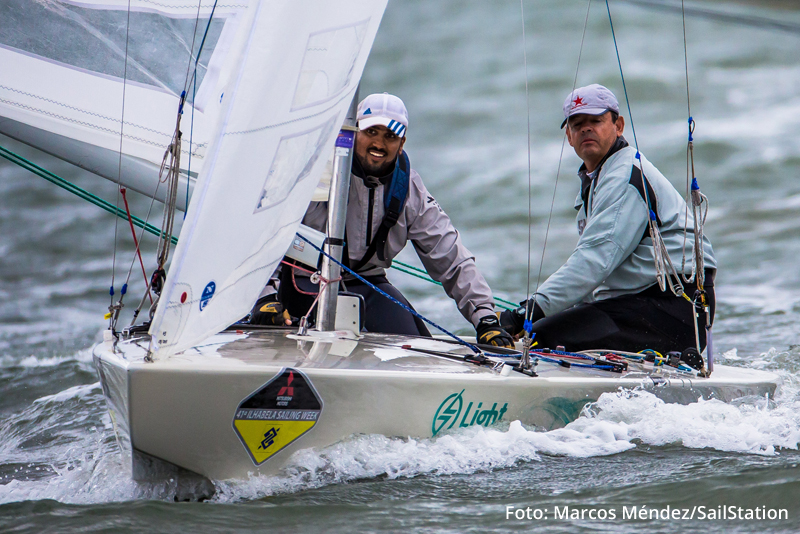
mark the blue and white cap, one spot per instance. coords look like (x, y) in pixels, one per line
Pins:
(385, 110)
(593, 99)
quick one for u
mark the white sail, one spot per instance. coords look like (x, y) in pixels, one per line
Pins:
(61, 81)
(289, 79)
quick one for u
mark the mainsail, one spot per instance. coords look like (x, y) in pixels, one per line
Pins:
(61, 81)
(289, 78)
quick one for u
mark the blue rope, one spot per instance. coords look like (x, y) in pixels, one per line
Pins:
(203, 41)
(475, 349)
(573, 364)
(538, 356)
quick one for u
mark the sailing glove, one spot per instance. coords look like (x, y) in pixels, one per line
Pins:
(268, 311)
(514, 320)
(491, 333)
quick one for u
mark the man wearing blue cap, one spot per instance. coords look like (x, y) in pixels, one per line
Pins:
(606, 295)
(388, 206)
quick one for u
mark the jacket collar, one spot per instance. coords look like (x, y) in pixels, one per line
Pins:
(588, 177)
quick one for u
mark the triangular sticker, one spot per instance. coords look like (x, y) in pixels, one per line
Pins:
(277, 414)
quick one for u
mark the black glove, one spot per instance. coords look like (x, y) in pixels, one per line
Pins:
(268, 311)
(491, 333)
(514, 320)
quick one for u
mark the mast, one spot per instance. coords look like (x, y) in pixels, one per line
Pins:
(337, 216)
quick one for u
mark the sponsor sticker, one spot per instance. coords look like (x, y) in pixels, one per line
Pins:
(208, 292)
(345, 139)
(450, 412)
(277, 414)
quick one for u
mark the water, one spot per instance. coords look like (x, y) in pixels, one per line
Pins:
(459, 68)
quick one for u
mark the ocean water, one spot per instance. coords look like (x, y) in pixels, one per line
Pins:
(459, 68)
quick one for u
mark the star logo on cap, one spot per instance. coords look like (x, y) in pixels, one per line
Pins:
(578, 102)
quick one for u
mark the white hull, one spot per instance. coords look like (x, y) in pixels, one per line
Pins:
(182, 410)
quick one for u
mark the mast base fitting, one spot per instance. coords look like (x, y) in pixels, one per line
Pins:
(528, 372)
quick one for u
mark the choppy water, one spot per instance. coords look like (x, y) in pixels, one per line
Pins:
(459, 68)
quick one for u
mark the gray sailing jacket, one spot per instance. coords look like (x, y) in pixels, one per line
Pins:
(424, 223)
(614, 254)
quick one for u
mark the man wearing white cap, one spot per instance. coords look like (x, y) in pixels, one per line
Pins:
(606, 295)
(389, 206)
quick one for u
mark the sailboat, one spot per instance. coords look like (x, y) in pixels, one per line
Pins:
(197, 393)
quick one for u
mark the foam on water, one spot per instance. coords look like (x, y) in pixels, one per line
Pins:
(63, 447)
(616, 423)
(471, 450)
(83, 357)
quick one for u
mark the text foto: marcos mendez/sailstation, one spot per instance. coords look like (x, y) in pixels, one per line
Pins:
(644, 512)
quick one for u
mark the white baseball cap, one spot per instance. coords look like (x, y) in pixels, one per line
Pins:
(385, 110)
(590, 100)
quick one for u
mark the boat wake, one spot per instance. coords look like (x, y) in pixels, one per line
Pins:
(63, 447)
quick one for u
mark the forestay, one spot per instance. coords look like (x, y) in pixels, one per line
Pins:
(291, 74)
(61, 85)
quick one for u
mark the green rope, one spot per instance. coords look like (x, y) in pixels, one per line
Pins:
(75, 190)
(423, 275)
(97, 201)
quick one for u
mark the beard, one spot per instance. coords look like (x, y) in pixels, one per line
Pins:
(376, 170)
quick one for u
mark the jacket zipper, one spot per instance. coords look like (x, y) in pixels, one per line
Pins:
(369, 215)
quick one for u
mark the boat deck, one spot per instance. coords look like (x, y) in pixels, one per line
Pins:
(238, 390)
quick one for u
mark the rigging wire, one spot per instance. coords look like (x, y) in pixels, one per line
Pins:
(409, 309)
(194, 89)
(624, 87)
(686, 60)
(665, 270)
(560, 160)
(752, 21)
(689, 157)
(194, 94)
(113, 310)
(191, 139)
(137, 254)
(191, 48)
(527, 339)
(694, 197)
(75, 190)
(162, 234)
(528, 117)
(698, 202)
(146, 227)
(170, 172)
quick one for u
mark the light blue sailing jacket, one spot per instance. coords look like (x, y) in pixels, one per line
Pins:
(614, 254)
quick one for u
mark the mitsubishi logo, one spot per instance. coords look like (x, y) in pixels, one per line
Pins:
(286, 393)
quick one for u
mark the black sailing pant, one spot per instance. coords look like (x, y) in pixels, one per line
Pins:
(651, 319)
(382, 315)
